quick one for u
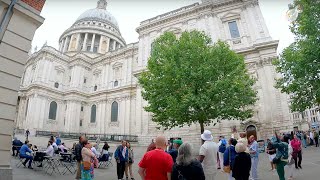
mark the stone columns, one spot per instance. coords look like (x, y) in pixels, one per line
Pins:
(65, 46)
(84, 46)
(92, 42)
(100, 44)
(78, 41)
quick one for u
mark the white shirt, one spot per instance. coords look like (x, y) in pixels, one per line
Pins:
(54, 145)
(50, 151)
(209, 150)
(93, 149)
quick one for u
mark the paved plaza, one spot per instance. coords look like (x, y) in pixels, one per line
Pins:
(310, 164)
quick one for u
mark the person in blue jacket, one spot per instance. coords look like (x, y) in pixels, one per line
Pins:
(121, 155)
(23, 154)
(230, 155)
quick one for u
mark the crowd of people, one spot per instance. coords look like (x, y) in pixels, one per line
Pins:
(174, 160)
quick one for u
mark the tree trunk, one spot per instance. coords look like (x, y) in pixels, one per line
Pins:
(201, 127)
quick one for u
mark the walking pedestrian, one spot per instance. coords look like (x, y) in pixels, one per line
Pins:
(297, 152)
(207, 155)
(121, 155)
(254, 153)
(242, 163)
(229, 156)
(128, 169)
(304, 139)
(271, 151)
(27, 134)
(316, 138)
(290, 162)
(222, 148)
(89, 160)
(187, 167)
(156, 164)
(282, 154)
(78, 156)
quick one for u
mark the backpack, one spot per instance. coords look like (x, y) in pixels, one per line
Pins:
(222, 147)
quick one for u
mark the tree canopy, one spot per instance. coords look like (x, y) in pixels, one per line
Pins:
(189, 80)
(299, 64)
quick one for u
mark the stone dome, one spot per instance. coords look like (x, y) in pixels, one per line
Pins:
(99, 14)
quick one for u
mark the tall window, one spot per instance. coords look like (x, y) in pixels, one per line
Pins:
(93, 113)
(234, 31)
(114, 112)
(115, 84)
(53, 110)
(95, 88)
(56, 85)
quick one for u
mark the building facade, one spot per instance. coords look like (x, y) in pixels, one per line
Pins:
(89, 84)
(18, 22)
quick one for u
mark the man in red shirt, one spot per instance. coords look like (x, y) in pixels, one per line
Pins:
(156, 164)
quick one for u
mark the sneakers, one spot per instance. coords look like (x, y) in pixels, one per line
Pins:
(300, 167)
(30, 167)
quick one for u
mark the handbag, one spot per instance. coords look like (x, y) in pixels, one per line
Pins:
(227, 169)
(86, 165)
(180, 175)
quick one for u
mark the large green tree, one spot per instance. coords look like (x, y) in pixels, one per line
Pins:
(189, 80)
(299, 63)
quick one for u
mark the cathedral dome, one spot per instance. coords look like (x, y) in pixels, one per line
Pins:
(99, 14)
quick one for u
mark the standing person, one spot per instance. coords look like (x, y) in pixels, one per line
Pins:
(130, 162)
(271, 151)
(174, 151)
(304, 139)
(77, 151)
(290, 162)
(186, 167)
(208, 155)
(89, 161)
(27, 134)
(297, 152)
(152, 146)
(244, 140)
(254, 153)
(282, 154)
(94, 150)
(316, 138)
(242, 163)
(121, 156)
(156, 164)
(23, 154)
(311, 138)
(229, 156)
(222, 148)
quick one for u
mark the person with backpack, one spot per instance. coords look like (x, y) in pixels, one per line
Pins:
(222, 148)
(282, 154)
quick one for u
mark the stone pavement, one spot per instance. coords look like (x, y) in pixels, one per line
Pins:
(310, 164)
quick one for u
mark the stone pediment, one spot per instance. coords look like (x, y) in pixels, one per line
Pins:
(59, 68)
(174, 30)
(117, 65)
(230, 16)
(97, 71)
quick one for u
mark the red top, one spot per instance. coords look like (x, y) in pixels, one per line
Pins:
(157, 164)
(296, 144)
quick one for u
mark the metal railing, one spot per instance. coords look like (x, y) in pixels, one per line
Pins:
(103, 137)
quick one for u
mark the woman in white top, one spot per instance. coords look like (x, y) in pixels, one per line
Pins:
(50, 150)
(290, 162)
(94, 150)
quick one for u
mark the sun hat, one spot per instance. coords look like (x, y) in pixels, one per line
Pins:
(177, 141)
(206, 136)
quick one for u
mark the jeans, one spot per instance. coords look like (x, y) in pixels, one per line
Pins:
(28, 158)
(121, 166)
(254, 167)
(316, 141)
(304, 143)
(280, 169)
(297, 162)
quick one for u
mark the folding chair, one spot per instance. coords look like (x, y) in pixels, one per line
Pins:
(110, 159)
(103, 161)
(21, 160)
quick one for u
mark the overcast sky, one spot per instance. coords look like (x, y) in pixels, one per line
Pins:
(61, 14)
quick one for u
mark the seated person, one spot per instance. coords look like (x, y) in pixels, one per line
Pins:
(50, 150)
(105, 152)
(63, 148)
(34, 148)
(23, 154)
(16, 145)
(94, 150)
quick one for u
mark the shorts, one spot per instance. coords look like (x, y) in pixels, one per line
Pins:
(271, 157)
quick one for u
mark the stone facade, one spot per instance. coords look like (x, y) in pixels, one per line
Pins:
(18, 22)
(88, 78)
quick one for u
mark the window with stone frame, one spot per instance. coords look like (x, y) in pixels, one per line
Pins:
(53, 110)
(56, 85)
(234, 30)
(93, 113)
(95, 88)
(114, 111)
(116, 83)
(80, 123)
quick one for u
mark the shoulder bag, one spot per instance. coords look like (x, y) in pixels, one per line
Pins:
(86, 165)
(227, 169)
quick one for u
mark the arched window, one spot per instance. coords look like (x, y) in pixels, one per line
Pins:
(93, 113)
(53, 110)
(114, 112)
(95, 88)
(56, 85)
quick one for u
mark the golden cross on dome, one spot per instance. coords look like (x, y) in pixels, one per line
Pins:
(102, 4)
